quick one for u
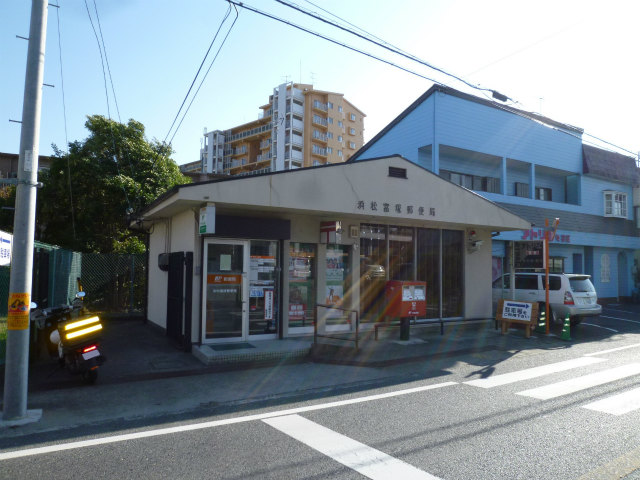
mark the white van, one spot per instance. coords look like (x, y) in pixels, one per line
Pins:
(570, 294)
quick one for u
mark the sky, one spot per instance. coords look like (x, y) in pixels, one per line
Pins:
(573, 61)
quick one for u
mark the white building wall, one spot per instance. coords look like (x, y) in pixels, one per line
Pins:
(477, 269)
(158, 280)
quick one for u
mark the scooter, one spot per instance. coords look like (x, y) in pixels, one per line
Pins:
(72, 336)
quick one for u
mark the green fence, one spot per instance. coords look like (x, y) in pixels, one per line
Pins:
(115, 284)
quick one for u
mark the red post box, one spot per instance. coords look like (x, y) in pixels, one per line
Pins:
(406, 299)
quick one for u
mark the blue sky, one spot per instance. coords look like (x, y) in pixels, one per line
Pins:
(574, 61)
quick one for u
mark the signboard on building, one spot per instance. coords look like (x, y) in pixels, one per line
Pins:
(6, 242)
(208, 219)
(528, 254)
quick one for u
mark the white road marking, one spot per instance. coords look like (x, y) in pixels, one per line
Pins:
(535, 372)
(212, 424)
(618, 404)
(599, 326)
(635, 345)
(621, 319)
(363, 459)
(581, 383)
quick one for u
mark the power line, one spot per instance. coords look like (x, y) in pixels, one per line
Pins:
(106, 91)
(205, 76)
(204, 59)
(329, 39)
(392, 49)
(64, 115)
(106, 58)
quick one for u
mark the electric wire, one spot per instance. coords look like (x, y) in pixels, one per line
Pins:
(385, 46)
(205, 75)
(64, 116)
(336, 42)
(106, 90)
(204, 59)
(382, 43)
(106, 58)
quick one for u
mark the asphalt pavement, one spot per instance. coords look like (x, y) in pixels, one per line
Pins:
(146, 375)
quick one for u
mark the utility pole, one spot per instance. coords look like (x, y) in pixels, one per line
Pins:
(17, 357)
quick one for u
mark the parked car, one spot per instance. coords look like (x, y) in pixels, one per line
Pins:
(570, 294)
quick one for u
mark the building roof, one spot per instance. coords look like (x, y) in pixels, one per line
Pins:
(609, 165)
(472, 98)
(387, 189)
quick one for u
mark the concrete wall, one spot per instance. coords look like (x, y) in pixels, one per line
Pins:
(477, 279)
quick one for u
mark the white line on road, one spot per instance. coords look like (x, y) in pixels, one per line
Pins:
(215, 423)
(535, 372)
(599, 326)
(621, 319)
(618, 404)
(581, 383)
(363, 459)
(594, 354)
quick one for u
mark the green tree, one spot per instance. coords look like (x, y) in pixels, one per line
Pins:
(90, 195)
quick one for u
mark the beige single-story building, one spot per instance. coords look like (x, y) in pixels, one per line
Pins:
(249, 258)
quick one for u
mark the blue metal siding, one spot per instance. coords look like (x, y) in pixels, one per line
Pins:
(593, 198)
(556, 183)
(405, 138)
(489, 130)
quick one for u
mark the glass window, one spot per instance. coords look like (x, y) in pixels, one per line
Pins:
(429, 267)
(555, 282)
(264, 289)
(615, 204)
(527, 282)
(352, 117)
(373, 274)
(338, 281)
(452, 273)
(401, 253)
(340, 108)
(302, 284)
(352, 131)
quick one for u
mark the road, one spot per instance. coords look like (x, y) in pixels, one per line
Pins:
(566, 411)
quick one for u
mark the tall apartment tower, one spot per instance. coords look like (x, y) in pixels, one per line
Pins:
(299, 127)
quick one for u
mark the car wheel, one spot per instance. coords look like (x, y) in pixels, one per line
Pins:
(555, 318)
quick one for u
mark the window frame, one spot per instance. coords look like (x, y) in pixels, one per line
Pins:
(610, 209)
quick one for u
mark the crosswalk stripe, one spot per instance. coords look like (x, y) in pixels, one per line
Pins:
(535, 372)
(581, 383)
(618, 404)
(363, 459)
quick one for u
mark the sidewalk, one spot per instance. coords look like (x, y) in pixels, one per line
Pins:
(146, 376)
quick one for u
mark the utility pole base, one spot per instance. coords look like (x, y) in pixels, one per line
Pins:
(32, 416)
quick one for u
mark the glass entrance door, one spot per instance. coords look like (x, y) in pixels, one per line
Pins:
(226, 291)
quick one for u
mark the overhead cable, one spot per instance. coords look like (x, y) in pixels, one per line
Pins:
(329, 39)
(204, 59)
(386, 46)
(205, 76)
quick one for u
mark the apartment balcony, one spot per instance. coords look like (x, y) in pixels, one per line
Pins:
(320, 137)
(298, 110)
(297, 125)
(323, 122)
(323, 107)
(319, 151)
(294, 140)
(248, 167)
(265, 144)
(295, 155)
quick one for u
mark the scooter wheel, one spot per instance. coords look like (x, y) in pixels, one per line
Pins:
(90, 376)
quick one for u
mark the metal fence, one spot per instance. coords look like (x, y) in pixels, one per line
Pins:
(115, 284)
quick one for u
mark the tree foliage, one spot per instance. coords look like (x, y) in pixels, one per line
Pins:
(90, 195)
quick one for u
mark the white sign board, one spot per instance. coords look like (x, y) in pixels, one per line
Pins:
(6, 242)
(207, 219)
(516, 310)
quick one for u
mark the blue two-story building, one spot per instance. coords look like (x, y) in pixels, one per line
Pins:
(535, 167)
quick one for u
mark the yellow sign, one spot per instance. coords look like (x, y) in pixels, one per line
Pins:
(18, 312)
